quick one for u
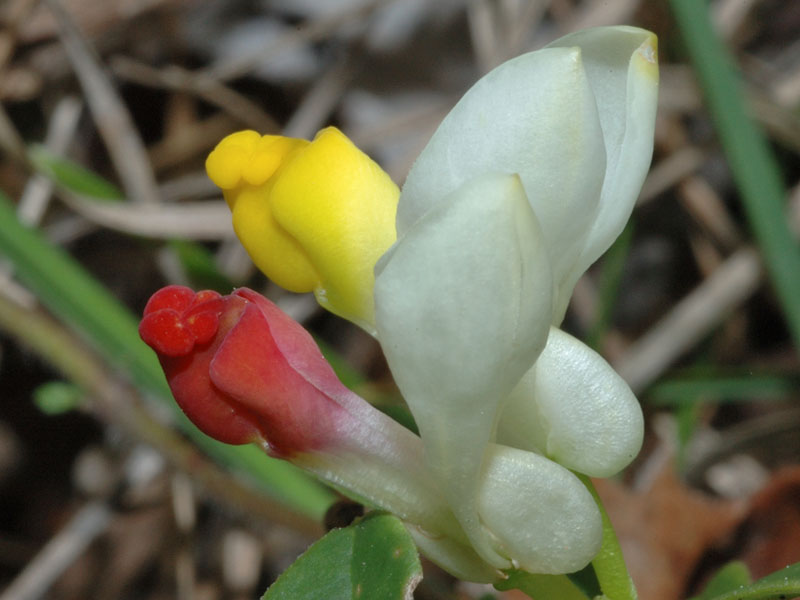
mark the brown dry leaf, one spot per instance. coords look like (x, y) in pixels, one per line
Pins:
(771, 532)
(665, 530)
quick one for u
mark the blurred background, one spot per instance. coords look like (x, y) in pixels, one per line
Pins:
(107, 111)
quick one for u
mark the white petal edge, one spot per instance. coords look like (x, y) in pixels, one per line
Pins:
(622, 66)
(574, 408)
(534, 115)
(462, 306)
(539, 512)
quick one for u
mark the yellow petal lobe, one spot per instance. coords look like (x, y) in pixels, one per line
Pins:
(314, 216)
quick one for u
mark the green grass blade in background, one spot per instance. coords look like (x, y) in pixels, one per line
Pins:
(715, 387)
(87, 307)
(73, 176)
(750, 158)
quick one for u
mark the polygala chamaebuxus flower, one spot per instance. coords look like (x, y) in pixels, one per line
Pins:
(464, 277)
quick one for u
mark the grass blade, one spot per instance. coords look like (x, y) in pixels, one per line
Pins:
(754, 168)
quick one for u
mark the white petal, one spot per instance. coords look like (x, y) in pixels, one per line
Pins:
(622, 68)
(462, 306)
(573, 407)
(534, 115)
(457, 558)
(539, 512)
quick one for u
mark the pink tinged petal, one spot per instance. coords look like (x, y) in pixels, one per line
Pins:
(255, 371)
(268, 363)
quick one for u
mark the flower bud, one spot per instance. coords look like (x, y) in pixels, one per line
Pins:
(314, 216)
(229, 361)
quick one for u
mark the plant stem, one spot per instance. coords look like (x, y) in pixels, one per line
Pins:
(542, 587)
(609, 564)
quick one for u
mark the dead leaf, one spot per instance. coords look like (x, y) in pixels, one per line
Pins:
(665, 530)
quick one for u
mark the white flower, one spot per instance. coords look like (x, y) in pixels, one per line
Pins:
(526, 182)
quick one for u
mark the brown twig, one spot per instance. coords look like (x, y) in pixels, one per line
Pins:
(113, 119)
(203, 85)
(689, 321)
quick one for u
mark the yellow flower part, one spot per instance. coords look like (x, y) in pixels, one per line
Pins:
(314, 216)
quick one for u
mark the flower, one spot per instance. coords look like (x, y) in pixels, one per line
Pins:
(244, 372)
(525, 183)
(565, 137)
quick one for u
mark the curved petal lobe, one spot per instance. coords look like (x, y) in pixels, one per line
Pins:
(573, 407)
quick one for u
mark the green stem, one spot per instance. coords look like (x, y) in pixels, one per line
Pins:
(751, 160)
(542, 587)
(609, 564)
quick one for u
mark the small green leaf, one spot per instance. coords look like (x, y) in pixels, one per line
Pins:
(73, 176)
(57, 397)
(732, 583)
(732, 576)
(373, 558)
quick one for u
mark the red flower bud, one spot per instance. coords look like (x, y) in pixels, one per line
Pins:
(243, 371)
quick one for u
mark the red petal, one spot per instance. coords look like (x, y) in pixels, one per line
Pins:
(205, 296)
(165, 333)
(211, 411)
(202, 318)
(297, 346)
(176, 297)
(251, 369)
(203, 326)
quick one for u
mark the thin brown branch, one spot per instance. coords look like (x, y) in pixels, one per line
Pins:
(114, 122)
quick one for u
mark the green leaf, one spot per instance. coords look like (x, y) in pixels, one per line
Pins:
(374, 558)
(73, 176)
(731, 583)
(732, 576)
(57, 397)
